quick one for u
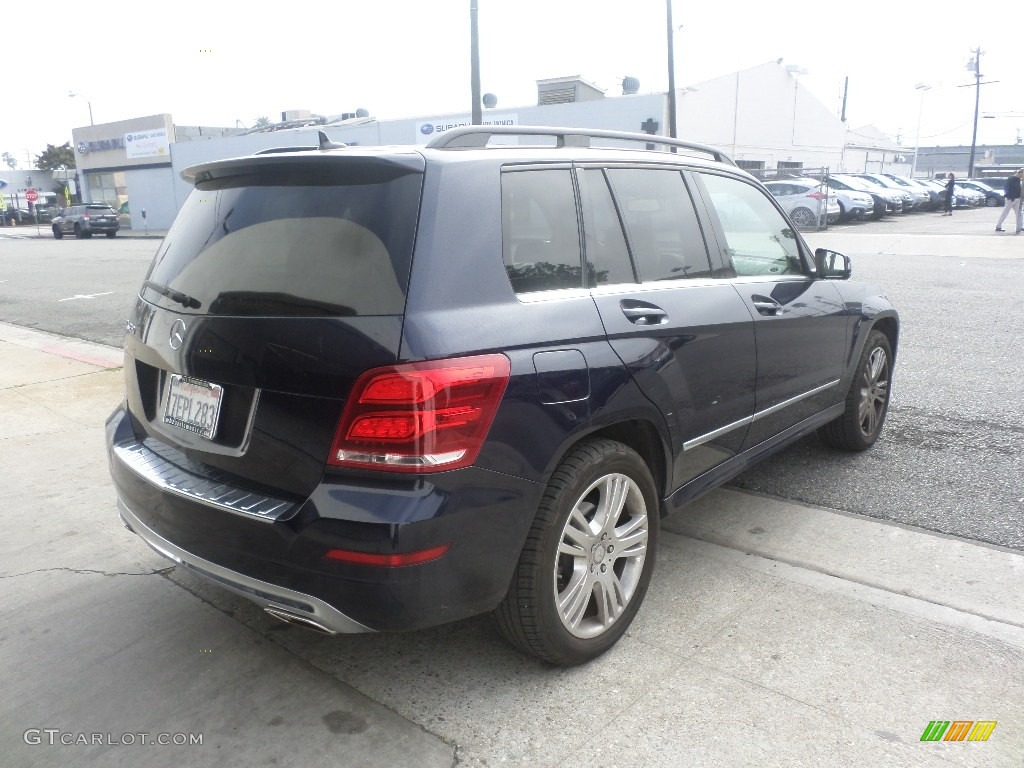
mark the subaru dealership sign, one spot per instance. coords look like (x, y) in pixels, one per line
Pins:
(146, 144)
(426, 130)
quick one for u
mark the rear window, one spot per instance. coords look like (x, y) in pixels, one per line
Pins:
(292, 241)
(99, 209)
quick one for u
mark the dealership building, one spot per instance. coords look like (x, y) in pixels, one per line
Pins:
(762, 116)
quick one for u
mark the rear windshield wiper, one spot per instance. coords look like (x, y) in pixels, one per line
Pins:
(182, 298)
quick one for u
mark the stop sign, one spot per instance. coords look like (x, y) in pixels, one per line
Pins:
(31, 195)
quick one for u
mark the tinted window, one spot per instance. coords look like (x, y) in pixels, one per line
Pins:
(759, 241)
(294, 241)
(540, 232)
(662, 226)
(607, 255)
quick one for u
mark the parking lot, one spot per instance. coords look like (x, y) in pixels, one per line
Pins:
(820, 611)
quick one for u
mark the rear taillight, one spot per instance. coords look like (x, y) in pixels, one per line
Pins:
(85, 216)
(420, 417)
(816, 195)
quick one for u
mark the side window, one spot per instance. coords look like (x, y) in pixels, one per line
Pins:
(540, 240)
(759, 241)
(605, 245)
(661, 224)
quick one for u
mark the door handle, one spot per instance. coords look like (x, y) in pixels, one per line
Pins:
(767, 306)
(642, 313)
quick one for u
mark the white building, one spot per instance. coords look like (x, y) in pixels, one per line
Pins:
(763, 116)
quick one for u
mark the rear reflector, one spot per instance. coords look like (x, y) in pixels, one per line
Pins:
(420, 417)
(395, 560)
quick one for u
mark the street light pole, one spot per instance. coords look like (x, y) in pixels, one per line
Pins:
(671, 72)
(474, 63)
(72, 94)
(923, 88)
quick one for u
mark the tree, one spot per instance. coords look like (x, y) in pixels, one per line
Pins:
(11, 162)
(56, 158)
(262, 122)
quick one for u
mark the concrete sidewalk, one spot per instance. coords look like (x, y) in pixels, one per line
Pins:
(774, 634)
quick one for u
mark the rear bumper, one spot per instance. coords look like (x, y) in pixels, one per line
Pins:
(276, 557)
(280, 602)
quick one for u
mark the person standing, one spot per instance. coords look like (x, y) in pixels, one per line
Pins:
(1012, 192)
(950, 194)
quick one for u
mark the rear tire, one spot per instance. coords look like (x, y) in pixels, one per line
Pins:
(803, 218)
(867, 400)
(79, 234)
(588, 559)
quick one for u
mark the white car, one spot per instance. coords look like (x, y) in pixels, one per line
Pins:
(807, 202)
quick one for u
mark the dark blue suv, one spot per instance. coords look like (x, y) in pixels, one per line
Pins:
(384, 388)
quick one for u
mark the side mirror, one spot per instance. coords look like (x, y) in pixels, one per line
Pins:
(832, 265)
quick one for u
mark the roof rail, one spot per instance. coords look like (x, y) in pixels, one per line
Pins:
(478, 136)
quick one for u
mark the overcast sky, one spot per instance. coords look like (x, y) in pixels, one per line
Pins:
(212, 62)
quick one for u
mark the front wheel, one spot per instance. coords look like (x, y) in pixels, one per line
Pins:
(588, 559)
(867, 400)
(57, 234)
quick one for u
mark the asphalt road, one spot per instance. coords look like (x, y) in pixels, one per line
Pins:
(949, 460)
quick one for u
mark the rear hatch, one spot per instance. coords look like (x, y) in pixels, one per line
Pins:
(282, 279)
(99, 215)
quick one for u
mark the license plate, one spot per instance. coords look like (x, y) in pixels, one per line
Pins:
(193, 405)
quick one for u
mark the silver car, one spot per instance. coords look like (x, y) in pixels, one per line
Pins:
(807, 202)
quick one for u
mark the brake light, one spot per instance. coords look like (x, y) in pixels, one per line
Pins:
(85, 216)
(420, 417)
(816, 195)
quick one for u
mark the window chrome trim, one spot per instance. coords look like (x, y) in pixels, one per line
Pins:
(755, 417)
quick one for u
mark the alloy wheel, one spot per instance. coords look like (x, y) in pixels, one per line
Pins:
(601, 555)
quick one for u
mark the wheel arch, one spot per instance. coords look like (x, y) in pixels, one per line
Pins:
(639, 434)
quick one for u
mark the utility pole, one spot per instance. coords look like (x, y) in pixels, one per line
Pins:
(671, 73)
(474, 63)
(977, 102)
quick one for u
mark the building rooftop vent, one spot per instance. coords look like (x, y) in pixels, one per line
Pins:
(566, 90)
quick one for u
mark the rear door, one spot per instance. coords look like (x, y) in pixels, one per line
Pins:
(800, 323)
(686, 337)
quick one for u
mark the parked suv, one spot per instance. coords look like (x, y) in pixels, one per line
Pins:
(85, 220)
(382, 388)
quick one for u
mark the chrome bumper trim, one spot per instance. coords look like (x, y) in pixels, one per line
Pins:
(169, 476)
(262, 593)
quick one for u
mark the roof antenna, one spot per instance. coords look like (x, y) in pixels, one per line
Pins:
(326, 143)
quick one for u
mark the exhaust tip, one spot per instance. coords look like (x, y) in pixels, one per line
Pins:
(300, 621)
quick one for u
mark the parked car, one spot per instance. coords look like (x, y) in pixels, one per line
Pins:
(959, 199)
(86, 220)
(376, 389)
(853, 204)
(975, 198)
(913, 199)
(994, 197)
(809, 203)
(934, 201)
(887, 201)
